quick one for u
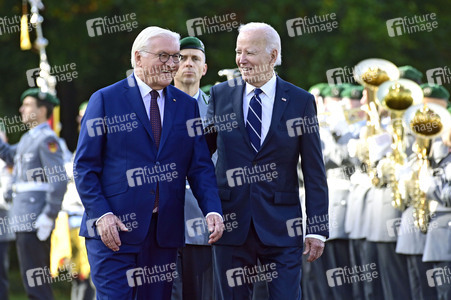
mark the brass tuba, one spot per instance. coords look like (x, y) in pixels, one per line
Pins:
(371, 73)
(425, 121)
(396, 97)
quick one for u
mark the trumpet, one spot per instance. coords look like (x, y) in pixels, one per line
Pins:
(397, 96)
(426, 121)
(371, 73)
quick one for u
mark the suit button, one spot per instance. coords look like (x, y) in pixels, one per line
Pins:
(157, 163)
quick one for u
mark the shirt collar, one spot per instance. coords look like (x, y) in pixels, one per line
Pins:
(196, 96)
(38, 127)
(144, 89)
(267, 88)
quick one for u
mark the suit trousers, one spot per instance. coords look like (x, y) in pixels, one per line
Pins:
(195, 280)
(32, 254)
(236, 269)
(114, 274)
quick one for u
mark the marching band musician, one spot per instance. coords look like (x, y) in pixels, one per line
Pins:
(437, 249)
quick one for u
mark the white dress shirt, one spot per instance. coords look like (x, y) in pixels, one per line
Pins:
(267, 96)
(145, 90)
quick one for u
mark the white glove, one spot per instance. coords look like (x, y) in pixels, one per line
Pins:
(378, 146)
(425, 180)
(44, 225)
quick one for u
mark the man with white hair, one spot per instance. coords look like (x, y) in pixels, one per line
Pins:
(130, 174)
(257, 173)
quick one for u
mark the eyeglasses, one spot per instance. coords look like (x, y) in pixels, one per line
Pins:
(164, 57)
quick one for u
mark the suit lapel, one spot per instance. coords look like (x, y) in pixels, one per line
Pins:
(280, 104)
(135, 100)
(170, 107)
(237, 105)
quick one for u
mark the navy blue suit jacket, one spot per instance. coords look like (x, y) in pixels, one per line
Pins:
(272, 204)
(115, 166)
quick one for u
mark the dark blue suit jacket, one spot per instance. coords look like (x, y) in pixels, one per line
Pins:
(111, 163)
(273, 205)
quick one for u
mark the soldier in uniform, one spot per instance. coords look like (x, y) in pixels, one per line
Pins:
(82, 286)
(39, 184)
(194, 261)
(411, 240)
(437, 249)
(6, 234)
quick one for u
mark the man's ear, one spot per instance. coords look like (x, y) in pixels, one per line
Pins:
(42, 113)
(138, 58)
(205, 70)
(274, 54)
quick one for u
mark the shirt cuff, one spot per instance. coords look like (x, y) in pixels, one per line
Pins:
(108, 213)
(215, 213)
(316, 236)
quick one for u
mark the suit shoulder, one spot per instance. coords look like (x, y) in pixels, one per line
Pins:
(228, 85)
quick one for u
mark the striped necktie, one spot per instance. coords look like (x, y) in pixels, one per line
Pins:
(254, 120)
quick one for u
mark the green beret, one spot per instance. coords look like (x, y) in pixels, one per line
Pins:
(352, 92)
(37, 94)
(409, 72)
(83, 106)
(435, 91)
(335, 90)
(318, 89)
(192, 42)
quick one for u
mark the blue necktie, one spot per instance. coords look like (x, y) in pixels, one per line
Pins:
(254, 120)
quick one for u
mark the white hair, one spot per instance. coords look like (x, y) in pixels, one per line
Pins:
(270, 34)
(142, 40)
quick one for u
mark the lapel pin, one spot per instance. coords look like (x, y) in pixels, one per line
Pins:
(174, 100)
(283, 99)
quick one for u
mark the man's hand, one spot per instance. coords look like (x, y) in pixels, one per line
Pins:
(315, 247)
(108, 227)
(215, 227)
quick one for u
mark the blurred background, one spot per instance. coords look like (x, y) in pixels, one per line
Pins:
(86, 60)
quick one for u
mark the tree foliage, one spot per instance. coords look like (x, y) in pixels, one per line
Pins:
(102, 60)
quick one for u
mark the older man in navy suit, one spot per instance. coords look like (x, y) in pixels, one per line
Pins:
(130, 173)
(257, 173)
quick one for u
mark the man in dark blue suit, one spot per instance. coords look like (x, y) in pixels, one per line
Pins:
(257, 173)
(130, 173)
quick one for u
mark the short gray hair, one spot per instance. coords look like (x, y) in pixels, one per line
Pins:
(271, 36)
(142, 40)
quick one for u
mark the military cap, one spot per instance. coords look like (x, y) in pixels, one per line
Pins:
(318, 88)
(37, 94)
(83, 106)
(335, 90)
(435, 91)
(192, 42)
(352, 92)
(409, 72)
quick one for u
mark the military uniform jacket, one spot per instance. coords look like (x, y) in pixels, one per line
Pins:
(39, 177)
(196, 231)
